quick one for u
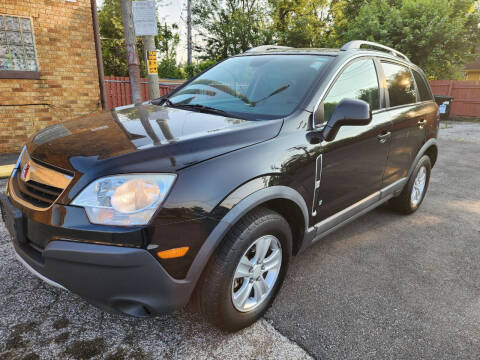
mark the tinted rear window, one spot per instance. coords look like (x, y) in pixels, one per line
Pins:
(401, 88)
(423, 89)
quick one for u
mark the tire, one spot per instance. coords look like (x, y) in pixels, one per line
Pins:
(217, 289)
(406, 202)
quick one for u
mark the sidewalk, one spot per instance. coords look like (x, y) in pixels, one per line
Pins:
(7, 162)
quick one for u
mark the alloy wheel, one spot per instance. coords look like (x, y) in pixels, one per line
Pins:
(418, 186)
(256, 273)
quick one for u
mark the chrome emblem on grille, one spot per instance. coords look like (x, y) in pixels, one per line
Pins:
(25, 172)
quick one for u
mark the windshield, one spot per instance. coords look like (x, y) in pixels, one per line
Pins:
(253, 87)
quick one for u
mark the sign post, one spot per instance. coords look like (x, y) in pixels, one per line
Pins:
(145, 20)
(132, 56)
(152, 62)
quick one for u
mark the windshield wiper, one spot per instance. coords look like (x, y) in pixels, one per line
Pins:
(206, 109)
(162, 101)
(201, 108)
(275, 92)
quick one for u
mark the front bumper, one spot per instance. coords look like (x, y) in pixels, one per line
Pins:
(123, 279)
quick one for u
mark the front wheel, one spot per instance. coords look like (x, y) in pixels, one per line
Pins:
(243, 277)
(414, 191)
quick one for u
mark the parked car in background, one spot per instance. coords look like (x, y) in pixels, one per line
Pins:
(204, 195)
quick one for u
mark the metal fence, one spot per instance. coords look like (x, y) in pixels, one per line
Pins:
(118, 89)
(466, 96)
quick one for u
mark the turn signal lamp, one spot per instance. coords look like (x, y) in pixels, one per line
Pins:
(173, 253)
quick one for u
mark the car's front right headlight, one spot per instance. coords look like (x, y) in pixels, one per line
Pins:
(124, 200)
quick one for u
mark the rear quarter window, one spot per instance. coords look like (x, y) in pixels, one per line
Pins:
(401, 88)
(422, 86)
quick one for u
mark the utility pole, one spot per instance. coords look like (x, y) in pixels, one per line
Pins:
(132, 55)
(152, 67)
(189, 32)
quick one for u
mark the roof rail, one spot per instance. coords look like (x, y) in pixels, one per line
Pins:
(267, 48)
(357, 44)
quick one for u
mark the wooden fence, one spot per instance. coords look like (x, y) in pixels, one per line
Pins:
(466, 96)
(118, 89)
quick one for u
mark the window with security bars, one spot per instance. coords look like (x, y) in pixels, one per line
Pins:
(17, 44)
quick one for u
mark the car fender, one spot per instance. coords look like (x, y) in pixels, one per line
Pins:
(236, 213)
(421, 152)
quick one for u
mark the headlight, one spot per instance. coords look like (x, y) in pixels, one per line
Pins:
(124, 199)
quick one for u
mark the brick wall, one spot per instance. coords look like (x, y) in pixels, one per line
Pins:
(68, 85)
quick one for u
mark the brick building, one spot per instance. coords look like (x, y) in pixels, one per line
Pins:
(50, 67)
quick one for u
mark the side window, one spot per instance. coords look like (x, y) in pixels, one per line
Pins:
(423, 88)
(401, 88)
(358, 81)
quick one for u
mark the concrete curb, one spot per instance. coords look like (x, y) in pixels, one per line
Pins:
(6, 170)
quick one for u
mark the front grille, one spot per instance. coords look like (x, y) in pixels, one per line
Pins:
(36, 185)
(37, 194)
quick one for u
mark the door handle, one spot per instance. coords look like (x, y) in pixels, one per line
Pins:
(383, 137)
(421, 123)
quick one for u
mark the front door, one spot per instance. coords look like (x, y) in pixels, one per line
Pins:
(350, 168)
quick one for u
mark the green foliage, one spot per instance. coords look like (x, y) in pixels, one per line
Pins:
(229, 27)
(300, 23)
(113, 42)
(168, 42)
(194, 69)
(439, 36)
(168, 69)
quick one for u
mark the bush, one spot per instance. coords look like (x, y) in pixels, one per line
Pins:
(194, 69)
(168, 69)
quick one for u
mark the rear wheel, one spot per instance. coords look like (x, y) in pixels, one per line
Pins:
(414, 191)
(243, 277)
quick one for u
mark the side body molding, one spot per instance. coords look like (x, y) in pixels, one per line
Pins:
(236, 213)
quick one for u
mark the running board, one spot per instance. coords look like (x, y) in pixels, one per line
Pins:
(332, 223)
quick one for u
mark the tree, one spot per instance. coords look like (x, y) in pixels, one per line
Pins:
(112, 38)
(113, 43)
(230, 27)
(439, 36)
(300, 23)
(194, 69)
(168, 42)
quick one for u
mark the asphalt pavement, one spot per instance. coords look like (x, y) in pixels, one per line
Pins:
(390, 286)
(384, 286)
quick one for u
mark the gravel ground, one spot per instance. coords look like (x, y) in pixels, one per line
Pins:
(385, 286)
(38, 321)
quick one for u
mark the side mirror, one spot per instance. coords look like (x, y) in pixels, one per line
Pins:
(349, 112)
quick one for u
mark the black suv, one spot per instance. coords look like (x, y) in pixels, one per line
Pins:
(205, 194)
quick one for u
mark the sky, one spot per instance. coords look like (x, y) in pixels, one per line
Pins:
(173, 12)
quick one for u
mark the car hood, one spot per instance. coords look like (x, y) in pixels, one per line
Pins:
(165, 138)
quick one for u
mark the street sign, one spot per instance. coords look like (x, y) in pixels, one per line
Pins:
(144, 18)
(152, 62)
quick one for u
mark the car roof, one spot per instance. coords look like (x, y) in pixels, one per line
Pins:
(346, 51)
(290, 51)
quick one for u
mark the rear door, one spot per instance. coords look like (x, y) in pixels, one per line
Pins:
(408, 120)
(429, 106)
